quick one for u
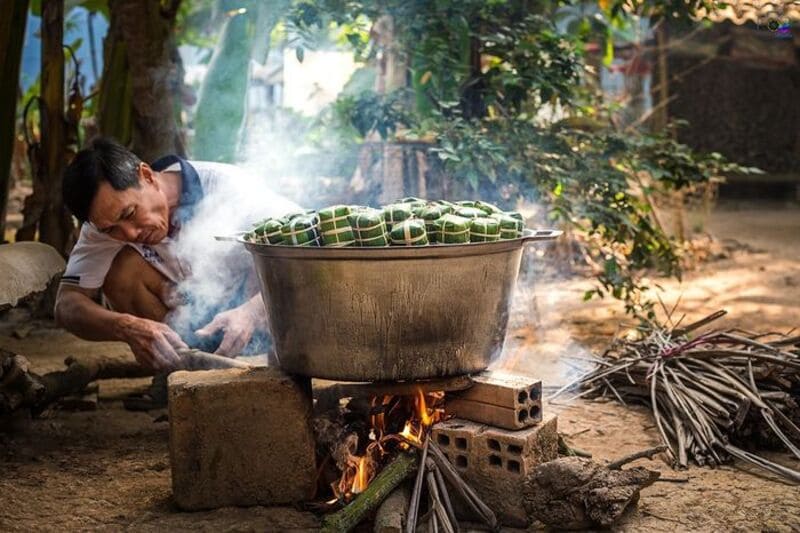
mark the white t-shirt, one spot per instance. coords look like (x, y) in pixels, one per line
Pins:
(232, 199)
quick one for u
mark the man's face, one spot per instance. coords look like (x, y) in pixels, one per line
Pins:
(137, 214)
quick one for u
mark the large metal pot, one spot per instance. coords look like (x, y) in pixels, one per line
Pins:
(394, 313)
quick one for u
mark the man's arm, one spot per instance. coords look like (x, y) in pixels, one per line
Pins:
(153, 343)
(238, 325)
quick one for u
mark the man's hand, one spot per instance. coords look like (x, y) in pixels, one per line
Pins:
(153, 344)
(237, 324)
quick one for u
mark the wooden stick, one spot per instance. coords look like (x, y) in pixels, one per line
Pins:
(649, 453)
(199, 360)
(700, 323)
(448, 504)
(389, 478)
(468, 495)
(413, 508)
(438, 507)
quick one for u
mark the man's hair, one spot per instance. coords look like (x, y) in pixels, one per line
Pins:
(103, 160)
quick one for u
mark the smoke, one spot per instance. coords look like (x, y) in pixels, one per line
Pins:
(539, 340)
(219, 274)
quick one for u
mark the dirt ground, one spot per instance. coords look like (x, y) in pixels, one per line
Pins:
(109, 469)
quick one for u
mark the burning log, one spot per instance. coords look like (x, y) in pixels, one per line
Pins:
(578, 493)
(709, 391)
(380, 487)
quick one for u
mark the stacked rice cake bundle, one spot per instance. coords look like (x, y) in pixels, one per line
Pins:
(450, 207)
(413, 201)
(487, 208)
(410, 232)
(484, 229)
(396, 213)
(510, 227)
(334, 226)
(302, 230)
(470, 212)
(268, 232)
(369, 228)
(430, 215)
(409, 221)
(452, 229)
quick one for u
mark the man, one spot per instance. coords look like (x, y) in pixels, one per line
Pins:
(136, 222)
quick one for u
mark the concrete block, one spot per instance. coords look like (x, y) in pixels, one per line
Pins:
(495, 461)
(240, 437)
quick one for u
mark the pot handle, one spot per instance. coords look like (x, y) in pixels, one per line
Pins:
(233, 237)
(542, 235)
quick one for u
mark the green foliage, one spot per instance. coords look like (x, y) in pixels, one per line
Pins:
(368, 111)
(490, 81)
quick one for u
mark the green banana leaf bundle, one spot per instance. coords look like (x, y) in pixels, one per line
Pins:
(302, 231)
(334, 226)
(452, 229)
(470, 212)
(413, 200)
(484, 229)
(268, 232)
(396, 213)
(369, 228)
(487, 208)
(510, 227)
(410, 232)
(430, 215)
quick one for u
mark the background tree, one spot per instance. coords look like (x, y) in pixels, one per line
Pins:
(12, 37)
(142, 78)
(503, 96)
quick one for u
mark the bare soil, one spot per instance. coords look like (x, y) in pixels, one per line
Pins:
(109, 469)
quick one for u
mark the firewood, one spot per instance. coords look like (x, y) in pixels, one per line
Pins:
(390, 477)
(392, 513)
(708, 392)
(21, 388)
(578, 493)
(198, 360)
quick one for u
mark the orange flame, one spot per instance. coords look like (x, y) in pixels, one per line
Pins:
(424, 417)
(361, 480)
(422, 412)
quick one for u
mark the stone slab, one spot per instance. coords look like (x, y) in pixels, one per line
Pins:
(28, 268)
(240, 437)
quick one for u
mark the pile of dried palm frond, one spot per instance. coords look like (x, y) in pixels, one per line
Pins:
(709, 391)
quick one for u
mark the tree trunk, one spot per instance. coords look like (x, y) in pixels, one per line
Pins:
(12, 37)
(146, 28)
(116, 87)
(55, 224)
(221, 109)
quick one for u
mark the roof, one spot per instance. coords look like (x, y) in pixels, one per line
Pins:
(771, 14)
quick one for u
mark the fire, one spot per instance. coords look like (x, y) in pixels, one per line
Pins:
(420, 413)
(361, 479)
(422, 410)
